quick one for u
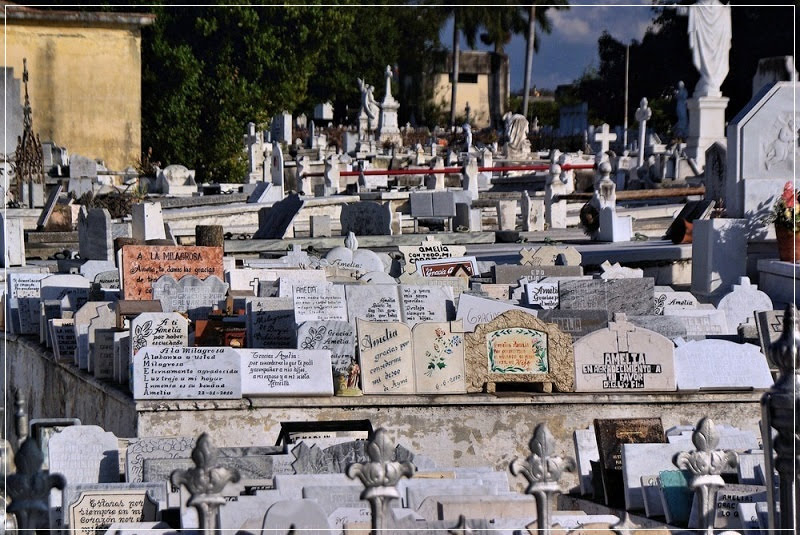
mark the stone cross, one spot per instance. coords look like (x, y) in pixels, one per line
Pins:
(643, 114)
(388, 96)
(253, 143)
(604, 137)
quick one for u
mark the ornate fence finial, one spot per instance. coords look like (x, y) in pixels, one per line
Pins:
(205, 483)
(20, 417)
(780, 408)
(706, 464)
(380, 477)
(543, 471)
(29, 488)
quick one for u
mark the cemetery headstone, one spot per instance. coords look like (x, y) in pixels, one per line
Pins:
(276, 372)
(426, 303)
(338, 337)
(186, 373)
(144, 265)
(549, 255)
(277, 221)
(270, 323)
(147, 221)
(386, 357)
(439, 357)
(624, 358)
(158, 329)
(720, 364)
(97, 510)
(366, 218)
(740, 304)
(373, 302)
(429, 249)
(189, 294)
(517, 347)
(770, 327)
(95, 239)
(611, 434)
(62, 334)
(630, 296)
(22, 301)
(319, 302)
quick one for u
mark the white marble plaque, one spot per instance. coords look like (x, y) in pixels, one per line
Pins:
(319, 302)
(286, 372)
(387, 361)
(187, 373)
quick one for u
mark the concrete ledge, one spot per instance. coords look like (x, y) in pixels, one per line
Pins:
(452, 430)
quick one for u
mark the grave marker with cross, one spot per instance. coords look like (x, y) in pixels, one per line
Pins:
(643, 114)
(604, 137)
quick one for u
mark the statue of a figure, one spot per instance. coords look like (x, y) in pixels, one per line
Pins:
(368, 104)
(682, 127)
(467, 137)
(516, 130)
(710, 41)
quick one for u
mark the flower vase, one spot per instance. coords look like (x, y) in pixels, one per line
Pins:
(788, 244)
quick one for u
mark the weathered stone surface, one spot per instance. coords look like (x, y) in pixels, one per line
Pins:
(560, 359)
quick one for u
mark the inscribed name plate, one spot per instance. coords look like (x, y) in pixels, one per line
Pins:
(158, 329)
(276, 372)
(270, 323)
(542, 294)
(439, 358)
(674, 301)
(631, 296)
(387, 361)
(624, 358)
(338, 337)
(23, 301)
(103, 354)
(373, 302)
(511, 274)
(187, 373)
(62, 334)
(142, 265)
(428, 249)
(426, 303)
(726, 513)
(191, 295)
(715, 364)
(460, 266)
(97, 510)
(319, 302)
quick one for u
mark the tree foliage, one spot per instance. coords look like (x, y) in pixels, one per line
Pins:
(663, 58)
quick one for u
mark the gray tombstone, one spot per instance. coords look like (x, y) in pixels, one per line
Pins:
(277, 221)
(95, 241)
(367, 218)
(196, 297)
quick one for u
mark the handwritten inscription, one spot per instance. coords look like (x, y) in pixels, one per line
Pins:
(142, 265)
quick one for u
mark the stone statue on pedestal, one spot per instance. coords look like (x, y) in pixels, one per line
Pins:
(710, 41)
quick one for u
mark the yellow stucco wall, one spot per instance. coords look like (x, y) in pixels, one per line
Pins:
(476, 94)
(85, 87)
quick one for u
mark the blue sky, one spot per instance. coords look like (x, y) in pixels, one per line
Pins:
(565, 53)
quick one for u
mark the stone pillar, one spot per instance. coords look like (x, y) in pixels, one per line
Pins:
(555, 212)
(469, 177)
(506, 215)
(706, 126)
(332, 176)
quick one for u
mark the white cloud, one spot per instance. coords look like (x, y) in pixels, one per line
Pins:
(571, 27)
(583, 25)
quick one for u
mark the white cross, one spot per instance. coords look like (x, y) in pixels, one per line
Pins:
(643, 115)
(605, 138)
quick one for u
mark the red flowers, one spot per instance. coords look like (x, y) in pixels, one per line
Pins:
(789, 196)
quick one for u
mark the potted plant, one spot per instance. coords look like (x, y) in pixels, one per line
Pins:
(786, 216)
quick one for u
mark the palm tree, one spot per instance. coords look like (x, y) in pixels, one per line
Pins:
(466, 20)
(536, 16)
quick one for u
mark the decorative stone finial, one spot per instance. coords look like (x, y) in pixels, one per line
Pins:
(706, 464)
(351, 242)
(380, 477)
(205, 483)
(29, 488)
(543, 471)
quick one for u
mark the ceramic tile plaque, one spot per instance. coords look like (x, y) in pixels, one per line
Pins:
(517, 350)
(142, 265)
